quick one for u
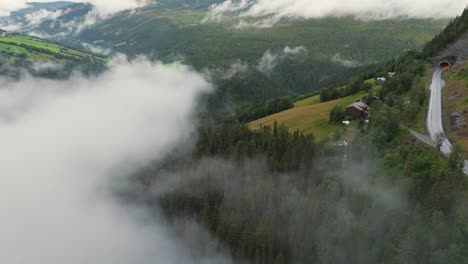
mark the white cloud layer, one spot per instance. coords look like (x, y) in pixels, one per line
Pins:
(104, 6)
(362, 9)
(96, 49)
(62, 142)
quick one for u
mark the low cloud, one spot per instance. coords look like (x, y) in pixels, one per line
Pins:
(91, 18)
(294, 51)
(276, 10)
(65, 143)
(7, 6)
(36, 18)
(237, 67)
(46, 66)
(96, 49)
(270, 59)
(268, 62)
(339, 59)
(218, 11)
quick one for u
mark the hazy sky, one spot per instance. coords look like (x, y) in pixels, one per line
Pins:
(64, 143)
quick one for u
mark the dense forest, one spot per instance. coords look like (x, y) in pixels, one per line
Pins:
(278, 196)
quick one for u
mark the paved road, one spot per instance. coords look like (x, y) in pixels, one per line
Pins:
(422, 138)
(434, 117)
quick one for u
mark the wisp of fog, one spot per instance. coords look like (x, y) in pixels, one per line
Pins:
(63, 142)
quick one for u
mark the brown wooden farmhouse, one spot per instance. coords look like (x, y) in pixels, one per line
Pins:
(358, 109)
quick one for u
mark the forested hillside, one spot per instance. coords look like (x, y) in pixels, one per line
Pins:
(332, 50)
(277, 196)
(452, 32)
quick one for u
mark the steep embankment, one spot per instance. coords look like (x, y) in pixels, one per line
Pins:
(455, 102)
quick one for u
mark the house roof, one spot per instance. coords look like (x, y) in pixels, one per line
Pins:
(361, 106)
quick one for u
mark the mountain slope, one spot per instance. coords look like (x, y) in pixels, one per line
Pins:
(336, 48)
(332, 49)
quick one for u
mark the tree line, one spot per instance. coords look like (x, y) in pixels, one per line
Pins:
(355, 86)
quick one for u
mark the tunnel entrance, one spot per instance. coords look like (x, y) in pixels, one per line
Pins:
(445, 65)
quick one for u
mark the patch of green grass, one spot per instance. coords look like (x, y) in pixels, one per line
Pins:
(11, 48)
(33, 42)
(308, 101)
(310, 116)
(313, 100)
(311, 119)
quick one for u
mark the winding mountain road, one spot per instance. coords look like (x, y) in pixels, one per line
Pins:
(434, 116)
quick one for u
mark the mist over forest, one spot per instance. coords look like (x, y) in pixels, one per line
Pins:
(233, 132)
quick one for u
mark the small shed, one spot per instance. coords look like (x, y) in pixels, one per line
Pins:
(357, 110)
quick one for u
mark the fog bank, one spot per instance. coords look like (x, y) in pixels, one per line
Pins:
(63, 143)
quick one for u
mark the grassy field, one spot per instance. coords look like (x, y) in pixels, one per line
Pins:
(308, 101)
(21, 47)
(309, 116)
(30, 41)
